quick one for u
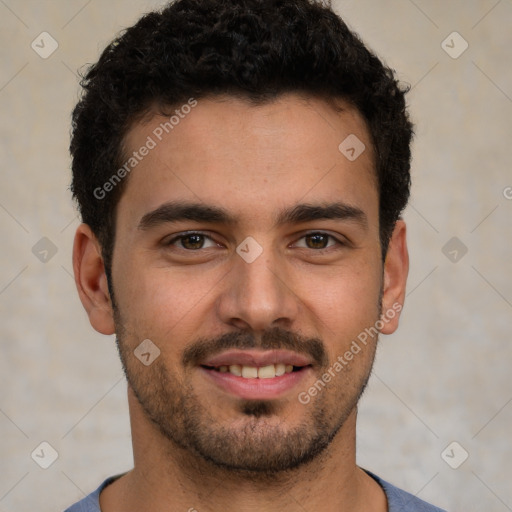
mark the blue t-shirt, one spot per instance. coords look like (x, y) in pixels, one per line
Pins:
(398, 500)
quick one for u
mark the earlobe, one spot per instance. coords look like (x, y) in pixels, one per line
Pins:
(396, 269)
(91, 280)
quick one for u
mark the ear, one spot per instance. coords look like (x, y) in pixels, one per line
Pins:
(396, 268)
(91, 280)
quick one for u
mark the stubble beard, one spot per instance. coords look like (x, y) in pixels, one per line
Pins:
(259, 445)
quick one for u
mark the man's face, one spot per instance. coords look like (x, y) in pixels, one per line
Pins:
(297, 292)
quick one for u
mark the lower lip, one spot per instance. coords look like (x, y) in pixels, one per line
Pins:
(256, 389)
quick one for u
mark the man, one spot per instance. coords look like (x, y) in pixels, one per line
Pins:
(241, 168)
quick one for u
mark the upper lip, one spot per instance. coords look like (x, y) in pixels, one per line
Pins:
(257, 358)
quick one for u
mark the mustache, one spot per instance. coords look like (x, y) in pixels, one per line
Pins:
(271, 339)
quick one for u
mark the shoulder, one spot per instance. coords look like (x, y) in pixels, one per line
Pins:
(91, 503)
(402, 501)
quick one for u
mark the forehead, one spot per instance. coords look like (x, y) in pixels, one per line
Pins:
(252, 160)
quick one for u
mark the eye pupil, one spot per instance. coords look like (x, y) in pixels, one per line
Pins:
(197, 242)
(319, 241)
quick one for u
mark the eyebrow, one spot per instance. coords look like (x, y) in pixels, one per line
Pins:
(306, 212)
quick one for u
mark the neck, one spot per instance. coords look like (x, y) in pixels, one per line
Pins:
(167, 475)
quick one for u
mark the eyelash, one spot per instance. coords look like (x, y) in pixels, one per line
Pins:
(321, 251)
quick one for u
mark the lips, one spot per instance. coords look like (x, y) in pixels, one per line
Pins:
(253, 374)
(257, 388)
(257, 358)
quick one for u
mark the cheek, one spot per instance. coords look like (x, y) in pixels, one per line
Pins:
(158, 303)
(345, 294)
(342, 305)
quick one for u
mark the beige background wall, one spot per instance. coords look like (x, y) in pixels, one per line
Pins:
(443, 377)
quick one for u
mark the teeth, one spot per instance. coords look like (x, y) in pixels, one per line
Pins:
(280, 369)
(249, 372)
(266, 372)
(252, 372)
(235, 369)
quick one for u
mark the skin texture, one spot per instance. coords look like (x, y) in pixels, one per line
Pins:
(195, 445)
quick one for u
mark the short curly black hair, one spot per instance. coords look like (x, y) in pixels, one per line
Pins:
(251, 49)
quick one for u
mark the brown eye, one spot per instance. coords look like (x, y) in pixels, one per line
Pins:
(191, 241)
(318, 241)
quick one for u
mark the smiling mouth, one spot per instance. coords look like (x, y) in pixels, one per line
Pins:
(257, 372)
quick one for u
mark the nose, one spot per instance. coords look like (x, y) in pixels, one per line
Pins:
(258, 295)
